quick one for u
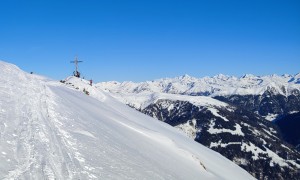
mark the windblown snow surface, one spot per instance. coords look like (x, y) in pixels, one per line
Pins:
(49, 130)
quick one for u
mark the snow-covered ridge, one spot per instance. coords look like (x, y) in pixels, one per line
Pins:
(219, 85)
(50, 130)
(144, 99)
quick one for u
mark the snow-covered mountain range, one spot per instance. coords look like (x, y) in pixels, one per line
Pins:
(227, 114)
(269, 96)
(220, 85)
(52, 130)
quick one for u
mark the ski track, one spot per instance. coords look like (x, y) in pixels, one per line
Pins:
(37, 158)
(49, 131)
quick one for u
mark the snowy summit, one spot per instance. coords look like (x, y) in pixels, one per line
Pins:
(50, 130)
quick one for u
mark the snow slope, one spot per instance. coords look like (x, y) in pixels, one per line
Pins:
(220, 85)
(49, 130)
(144, 99)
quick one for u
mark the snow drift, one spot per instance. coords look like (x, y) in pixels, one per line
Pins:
(49, 130)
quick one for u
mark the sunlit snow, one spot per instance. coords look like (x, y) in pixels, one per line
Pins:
(49, 130)
(219, 85)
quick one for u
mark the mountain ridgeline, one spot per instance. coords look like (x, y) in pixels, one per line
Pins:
(268, 96)
(230, 115)
(53, 130)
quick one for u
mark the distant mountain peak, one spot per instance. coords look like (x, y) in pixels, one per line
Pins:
(185, 77)
(248, 76)
(286, 75)
(221, 76)
(218, 85)
(297, 76)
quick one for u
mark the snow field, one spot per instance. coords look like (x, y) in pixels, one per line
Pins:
(51, 131)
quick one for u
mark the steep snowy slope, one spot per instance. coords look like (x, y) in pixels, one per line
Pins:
(231, 127)
(243, 137)
(51, 131)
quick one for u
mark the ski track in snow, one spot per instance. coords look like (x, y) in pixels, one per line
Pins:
(34, 156)
(49, 131)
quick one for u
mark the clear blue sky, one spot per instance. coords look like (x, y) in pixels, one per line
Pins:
(148, 39)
